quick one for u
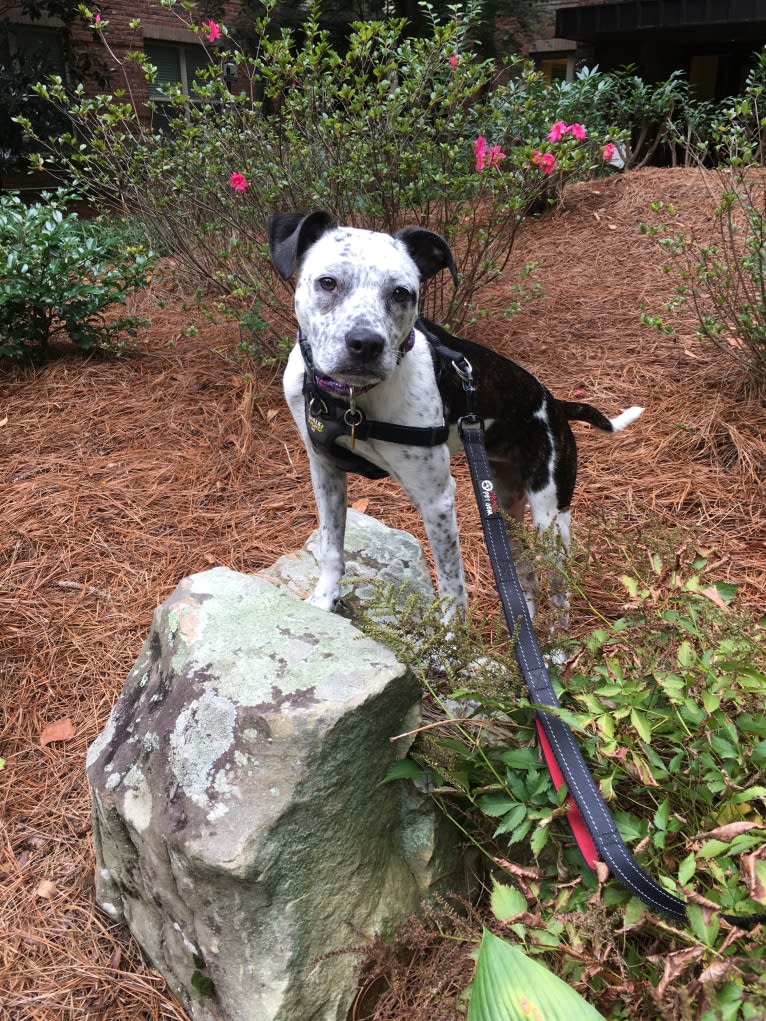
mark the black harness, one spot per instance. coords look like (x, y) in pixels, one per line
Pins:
(331, 412)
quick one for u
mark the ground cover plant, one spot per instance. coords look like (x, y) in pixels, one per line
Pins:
(667, 703)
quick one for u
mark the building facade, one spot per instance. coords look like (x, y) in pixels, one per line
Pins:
(714, 42)
(31, 48)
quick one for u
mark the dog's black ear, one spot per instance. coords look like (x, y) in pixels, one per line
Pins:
(290, 234)
(429, 251)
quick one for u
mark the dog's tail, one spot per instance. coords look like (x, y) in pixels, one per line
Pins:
(578, 412)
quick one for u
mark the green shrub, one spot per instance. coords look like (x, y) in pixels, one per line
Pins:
(59, 279)
(380, 133)
(722, 276)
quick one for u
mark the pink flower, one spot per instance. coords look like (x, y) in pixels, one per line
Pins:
(609, 151)
(480, 152)
(486, 156)
(557, 132)
(453, 61)
(561, 128)
(97, 20)
(494, 155)
(579, 392)
(213, 30)
(239, 182)
(544, 161)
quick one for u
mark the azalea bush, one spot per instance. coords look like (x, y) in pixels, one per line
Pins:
(643, 120)
(381, 134)
(387, 131)
(63, 280)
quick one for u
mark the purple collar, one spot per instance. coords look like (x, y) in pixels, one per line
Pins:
(334, 386)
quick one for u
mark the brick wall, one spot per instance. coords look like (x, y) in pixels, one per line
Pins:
(156, 23)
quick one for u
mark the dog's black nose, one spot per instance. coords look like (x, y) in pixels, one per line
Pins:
(365, 344)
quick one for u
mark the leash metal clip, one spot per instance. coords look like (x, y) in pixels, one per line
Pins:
(470, 418)
(318, 408)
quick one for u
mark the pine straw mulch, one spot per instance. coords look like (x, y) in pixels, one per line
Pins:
(121, 477)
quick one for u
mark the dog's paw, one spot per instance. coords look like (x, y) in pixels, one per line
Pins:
(323, 599)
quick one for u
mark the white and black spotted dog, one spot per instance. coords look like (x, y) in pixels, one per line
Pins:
(363, 356)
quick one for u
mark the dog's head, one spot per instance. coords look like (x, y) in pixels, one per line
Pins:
(356, 294)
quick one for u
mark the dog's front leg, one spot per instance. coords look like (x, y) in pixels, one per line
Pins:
(426, 479)
(330, 493)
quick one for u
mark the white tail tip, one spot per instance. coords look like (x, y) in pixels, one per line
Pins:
(622, 421)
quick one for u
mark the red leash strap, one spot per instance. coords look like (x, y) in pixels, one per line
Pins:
(574, 816)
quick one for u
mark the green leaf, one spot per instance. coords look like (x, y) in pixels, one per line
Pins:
(506, 901)
(641, 725)
(513, 819)
(686, 869)
(662, 815)
(726, 591)
(497, 804)
(404, 769)
(520, 758)
(509, 986)
(713, 848)
(686, 656)
(539, 839)
(634, 911)
(705, 931)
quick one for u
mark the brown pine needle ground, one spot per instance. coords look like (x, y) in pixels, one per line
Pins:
(121, 477)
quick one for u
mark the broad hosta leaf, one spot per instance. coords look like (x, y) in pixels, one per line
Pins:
(509, 986)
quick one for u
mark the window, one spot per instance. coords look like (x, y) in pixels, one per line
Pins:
(554, 69)
(30, 47)
(28, 54)
(176, 65)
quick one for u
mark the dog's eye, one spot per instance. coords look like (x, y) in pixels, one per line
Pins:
(328, 283)
(401, 294)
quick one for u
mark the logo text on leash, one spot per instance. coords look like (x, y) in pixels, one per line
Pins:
(489, 496)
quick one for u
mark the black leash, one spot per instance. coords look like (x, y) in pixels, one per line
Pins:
(568, 758)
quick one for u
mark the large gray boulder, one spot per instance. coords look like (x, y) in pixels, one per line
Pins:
(241, 827)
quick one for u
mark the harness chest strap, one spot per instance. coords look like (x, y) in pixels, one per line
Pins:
(331, 413)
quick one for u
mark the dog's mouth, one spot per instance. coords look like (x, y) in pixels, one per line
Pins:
(348, 378)
(346, 386)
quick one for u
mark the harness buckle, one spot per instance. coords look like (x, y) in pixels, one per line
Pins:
(352, 418)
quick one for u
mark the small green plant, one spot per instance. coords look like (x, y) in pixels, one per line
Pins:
(666, 702)
(722, 276)
(60, 279)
